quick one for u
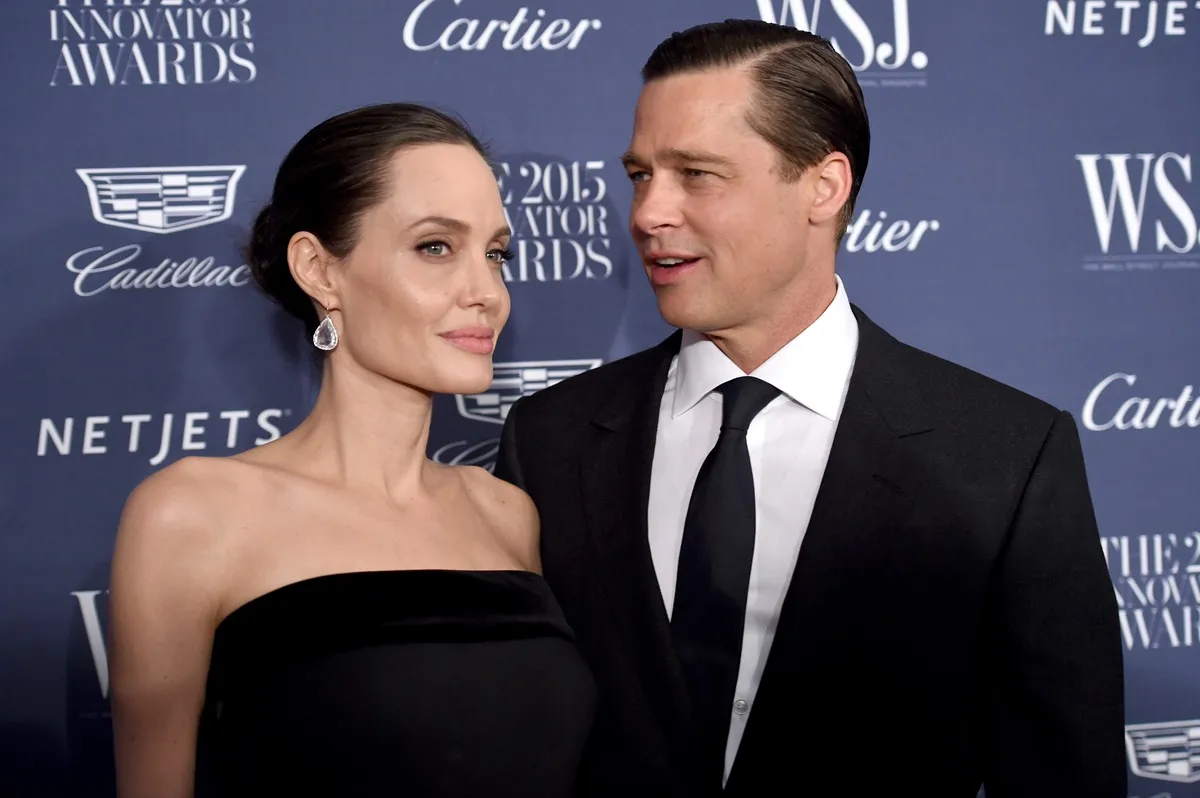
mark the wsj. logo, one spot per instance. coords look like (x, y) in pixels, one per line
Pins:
(1136, 17)
(89, 607)
(1138, 412)
(174, 44)
(896, 63)
(559, 220)
(194, 432)
(1176, 233)
(1164, 751)
(160, 200)
(510, 382)
(518, 33)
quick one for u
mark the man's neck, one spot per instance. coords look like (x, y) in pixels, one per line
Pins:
(751, 345)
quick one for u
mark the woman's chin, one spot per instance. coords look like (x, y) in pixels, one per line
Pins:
(466, 380)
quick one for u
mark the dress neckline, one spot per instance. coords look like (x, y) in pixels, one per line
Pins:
(495, 575)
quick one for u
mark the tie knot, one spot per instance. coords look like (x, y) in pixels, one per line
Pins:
(744, 398)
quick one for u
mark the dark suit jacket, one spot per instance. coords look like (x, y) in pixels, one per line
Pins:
(950, 622)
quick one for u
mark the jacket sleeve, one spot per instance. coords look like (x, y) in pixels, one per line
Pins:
(1053, 672)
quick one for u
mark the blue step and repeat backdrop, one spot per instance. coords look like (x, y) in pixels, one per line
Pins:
(1030, 211)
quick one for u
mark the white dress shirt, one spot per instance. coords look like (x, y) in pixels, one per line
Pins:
(789, 443)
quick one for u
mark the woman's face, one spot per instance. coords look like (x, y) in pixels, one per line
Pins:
(422, 296)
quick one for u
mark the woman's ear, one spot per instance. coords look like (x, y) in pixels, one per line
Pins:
(310, 264)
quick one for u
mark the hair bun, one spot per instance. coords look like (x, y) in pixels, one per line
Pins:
(266, 257)
(260, 252)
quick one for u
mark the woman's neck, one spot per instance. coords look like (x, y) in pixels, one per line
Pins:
(366, 431)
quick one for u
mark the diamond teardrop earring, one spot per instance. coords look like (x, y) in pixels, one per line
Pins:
(325, 337)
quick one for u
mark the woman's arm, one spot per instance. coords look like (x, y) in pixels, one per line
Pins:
(163, 599)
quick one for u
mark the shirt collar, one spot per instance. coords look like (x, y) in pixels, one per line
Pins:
(812, 369)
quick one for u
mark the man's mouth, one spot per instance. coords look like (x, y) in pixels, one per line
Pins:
(670, 269)
(670, 263)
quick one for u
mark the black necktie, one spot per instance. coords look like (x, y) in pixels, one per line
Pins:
(714, 572)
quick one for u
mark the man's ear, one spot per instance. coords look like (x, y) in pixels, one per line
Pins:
(310, 264)
(833, 180)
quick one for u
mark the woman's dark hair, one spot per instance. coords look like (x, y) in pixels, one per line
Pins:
(334, 174)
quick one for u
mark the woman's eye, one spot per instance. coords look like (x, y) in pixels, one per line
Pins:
(502, 255)
(435, 248)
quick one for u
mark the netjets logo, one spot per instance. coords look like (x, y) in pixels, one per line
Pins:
(162, 199)
(511, 381)
(1165, 751)
(1139, 19)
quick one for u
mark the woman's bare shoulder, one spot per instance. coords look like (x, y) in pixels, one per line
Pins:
(509, 510)
(184, 512)
(185, 493)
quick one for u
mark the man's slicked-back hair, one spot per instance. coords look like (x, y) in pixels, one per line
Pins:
(807, 102)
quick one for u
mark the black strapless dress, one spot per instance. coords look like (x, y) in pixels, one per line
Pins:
(398, 683)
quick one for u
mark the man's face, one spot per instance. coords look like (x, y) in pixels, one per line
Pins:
(722, 237)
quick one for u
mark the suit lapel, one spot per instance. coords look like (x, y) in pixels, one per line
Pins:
(864, 492)
(616, 482)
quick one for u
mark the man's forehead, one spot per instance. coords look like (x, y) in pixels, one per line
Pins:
(694, 130)
(722, 92)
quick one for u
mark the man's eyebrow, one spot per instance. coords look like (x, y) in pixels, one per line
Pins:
(680, 156)
(697, 156)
